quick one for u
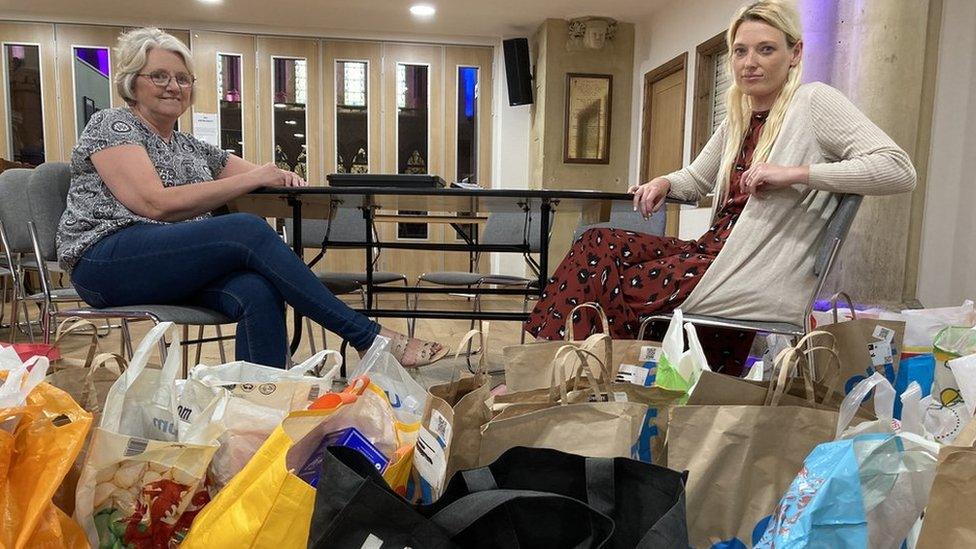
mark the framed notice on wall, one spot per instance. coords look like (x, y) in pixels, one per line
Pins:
(587, 129)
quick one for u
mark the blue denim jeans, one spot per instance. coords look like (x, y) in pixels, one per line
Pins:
(235, 264)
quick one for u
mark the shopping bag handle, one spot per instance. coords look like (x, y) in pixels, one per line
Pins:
(461, 514)
(884, 401)
(314, 364)
(850, 303)
(78, 323)
(570, 333)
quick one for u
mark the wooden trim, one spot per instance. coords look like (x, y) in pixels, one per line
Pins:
(704, 88)
(605, 154)
(678, 64)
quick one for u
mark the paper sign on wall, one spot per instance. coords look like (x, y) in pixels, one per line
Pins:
(205, 128)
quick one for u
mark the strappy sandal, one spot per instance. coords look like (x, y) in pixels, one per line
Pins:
(426, 355)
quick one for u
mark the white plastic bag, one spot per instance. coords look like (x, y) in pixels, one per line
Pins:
(22, 377)
(964, 370)
(407, 397)
(922, 325)
(143, 480)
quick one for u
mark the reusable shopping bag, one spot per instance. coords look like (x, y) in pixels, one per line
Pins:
(865, 346)
(742, 456)
(948, 518)
(269, 503)
(527, 498)
(449, 438)
(254, 400)
(867, 491)
(598, 428)
(144, 477)
(41, 433)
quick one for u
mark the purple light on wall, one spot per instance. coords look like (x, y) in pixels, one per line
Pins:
(97, 58)
(17, 52)
(819, 20)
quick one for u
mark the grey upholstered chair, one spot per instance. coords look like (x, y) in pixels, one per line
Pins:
(19, 253)
(501, 229)
(47, 192)
(623, 216)
(837, 228)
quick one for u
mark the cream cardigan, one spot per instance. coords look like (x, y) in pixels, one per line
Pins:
(765, 270)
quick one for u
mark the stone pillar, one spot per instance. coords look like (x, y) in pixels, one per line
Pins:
(874, 52)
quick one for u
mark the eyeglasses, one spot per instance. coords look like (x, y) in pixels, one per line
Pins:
(162, 78)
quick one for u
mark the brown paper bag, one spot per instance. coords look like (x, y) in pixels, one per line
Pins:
(594, 428)
(861, 345)
(450, 435)
(742, 458)
(948, 518)
(527, 366)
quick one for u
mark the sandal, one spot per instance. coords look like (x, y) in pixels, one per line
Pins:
(426, 355)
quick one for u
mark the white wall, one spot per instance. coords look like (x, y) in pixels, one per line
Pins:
(947, 273)
(510, 149)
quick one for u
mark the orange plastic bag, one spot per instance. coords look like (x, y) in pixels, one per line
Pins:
(39, 441)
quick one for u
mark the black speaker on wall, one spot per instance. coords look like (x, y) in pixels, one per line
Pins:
(518, 70)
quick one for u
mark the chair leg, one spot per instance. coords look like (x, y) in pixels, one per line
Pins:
(220, 345)
(27, 320)
(185, 350)
(311, 335)
(406, 305)
(14, 316)
(412, 323)
(126, 339)
(525, 309)
(199, 345)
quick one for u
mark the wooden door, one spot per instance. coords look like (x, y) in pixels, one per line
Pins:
(419, 155)
(41, 37)
(207, 46)
(74, 85)
(270, 49)
(664, 126)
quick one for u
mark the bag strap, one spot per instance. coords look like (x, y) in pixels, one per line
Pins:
(570, 334)
(78, 323)
(314, 364)
(479, 480)
(850, 303)
(100, 361)
(884, 401)
(600, 488)
(461, 514)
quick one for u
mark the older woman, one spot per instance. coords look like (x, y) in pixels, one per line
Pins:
(776, 166)
(137, 227)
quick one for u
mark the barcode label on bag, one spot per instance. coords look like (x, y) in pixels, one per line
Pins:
(880, 352)
(313, 393)
(440, 426)
(649, 353)
(884, 334)
(629, 373)
(135, 446)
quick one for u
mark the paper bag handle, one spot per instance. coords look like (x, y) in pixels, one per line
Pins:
(570, 334)
(78, 323)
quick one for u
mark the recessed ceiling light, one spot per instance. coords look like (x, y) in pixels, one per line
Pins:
(422, 10)
(299, 135)
(212, 1)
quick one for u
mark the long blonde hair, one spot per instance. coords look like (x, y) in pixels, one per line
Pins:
(783, 17)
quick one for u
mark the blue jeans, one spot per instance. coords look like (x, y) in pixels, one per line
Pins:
(235, 264)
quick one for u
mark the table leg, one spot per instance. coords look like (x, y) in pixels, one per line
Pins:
(546, 210)
(368, 215)
(296, 215)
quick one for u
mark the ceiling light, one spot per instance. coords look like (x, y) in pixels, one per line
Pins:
(291, 122)
(212, 1)
(299, 135)
(422, 10)
(280, 106)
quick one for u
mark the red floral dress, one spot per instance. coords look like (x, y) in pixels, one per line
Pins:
(632, 275)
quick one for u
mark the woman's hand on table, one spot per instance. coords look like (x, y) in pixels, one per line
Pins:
(762, 176)
(269, 175)
(649, 197)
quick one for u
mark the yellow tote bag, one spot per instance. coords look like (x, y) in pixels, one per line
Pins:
(267, 504)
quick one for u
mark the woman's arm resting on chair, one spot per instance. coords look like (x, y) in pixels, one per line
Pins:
(132, 178)
(867, 162)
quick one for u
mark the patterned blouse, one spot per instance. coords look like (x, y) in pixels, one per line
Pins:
(92, 211)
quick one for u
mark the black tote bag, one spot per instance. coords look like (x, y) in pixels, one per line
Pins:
(354, 508)
(646, 502)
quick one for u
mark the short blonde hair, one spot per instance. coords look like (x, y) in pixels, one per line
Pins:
(131, 52)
